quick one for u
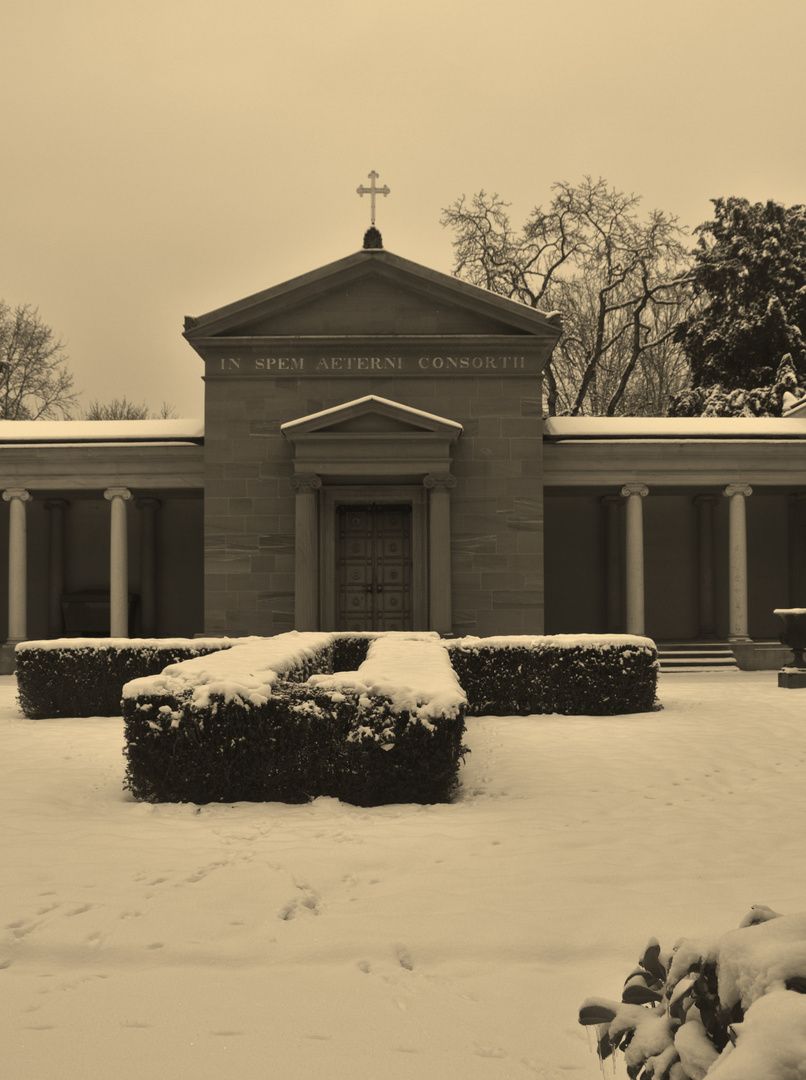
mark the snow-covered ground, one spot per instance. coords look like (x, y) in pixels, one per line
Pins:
(327, 941)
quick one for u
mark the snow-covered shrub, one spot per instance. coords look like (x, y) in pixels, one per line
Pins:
(572, 674)
(732, 1009)
(85, 676)
(246, 727)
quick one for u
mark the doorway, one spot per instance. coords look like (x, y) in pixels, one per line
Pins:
(374, 566)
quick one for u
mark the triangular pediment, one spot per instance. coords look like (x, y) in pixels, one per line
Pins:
(372, 415)
(371, 293)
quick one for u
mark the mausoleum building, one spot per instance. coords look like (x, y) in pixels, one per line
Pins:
(373, 455)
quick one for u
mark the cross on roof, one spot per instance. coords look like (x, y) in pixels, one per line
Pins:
(372, 191)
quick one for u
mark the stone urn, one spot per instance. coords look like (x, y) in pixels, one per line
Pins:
(794, 637)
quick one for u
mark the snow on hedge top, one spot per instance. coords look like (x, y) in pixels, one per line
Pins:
(245, 671)
(100, 644)
(556, 641)
(412, 670)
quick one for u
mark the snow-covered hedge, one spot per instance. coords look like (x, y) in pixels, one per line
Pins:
(246, 727)
(581, 674)
(85, 676)
(731, 1009)
(572, 674)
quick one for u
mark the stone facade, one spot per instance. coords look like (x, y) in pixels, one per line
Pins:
(374, 326)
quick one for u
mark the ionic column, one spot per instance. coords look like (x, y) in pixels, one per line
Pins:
(612, 546)
(705, 566)
(306, 551)
(148, 565)
(118, 562)
(737, 561)
(17, 564)
(634, 493)
(57, 509)
(796, 505)
(439, 487)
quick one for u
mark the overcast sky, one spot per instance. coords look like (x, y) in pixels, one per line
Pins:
(166, 157)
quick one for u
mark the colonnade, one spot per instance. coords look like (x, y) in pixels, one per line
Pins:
(634, 494)
(118, 497)
(307, 486)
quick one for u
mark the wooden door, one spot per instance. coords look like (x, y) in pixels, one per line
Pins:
(373, 566)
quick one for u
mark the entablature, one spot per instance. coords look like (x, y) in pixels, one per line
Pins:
(90, 466)
(668, 463)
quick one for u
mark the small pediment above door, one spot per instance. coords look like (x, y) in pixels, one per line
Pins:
(372, 438)
(372, 415)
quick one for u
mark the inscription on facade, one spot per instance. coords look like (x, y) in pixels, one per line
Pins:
(312, 365)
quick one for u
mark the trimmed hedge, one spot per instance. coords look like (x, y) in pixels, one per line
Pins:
(199, 733)
(246, 726)
(572, 675)
(86, 676)
(575, 675)
(350, 650)
(300, 743)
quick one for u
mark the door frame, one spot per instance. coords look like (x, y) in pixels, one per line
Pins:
(413, 495)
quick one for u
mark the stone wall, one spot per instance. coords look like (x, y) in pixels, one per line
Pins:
(496, 506)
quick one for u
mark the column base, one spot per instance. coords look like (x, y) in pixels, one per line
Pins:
(792, 680)
(8, 659)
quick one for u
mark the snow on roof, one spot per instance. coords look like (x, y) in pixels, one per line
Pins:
(100, 431)
(668, 427)
(556, 428)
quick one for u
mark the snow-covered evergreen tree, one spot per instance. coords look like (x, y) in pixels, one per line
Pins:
(750, 280)
(717, 400)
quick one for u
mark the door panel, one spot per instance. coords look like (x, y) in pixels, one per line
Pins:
(373, 556)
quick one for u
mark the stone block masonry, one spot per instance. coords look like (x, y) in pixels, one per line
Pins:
(496, 505)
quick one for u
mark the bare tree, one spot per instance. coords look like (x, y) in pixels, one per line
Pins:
(123, 409)
(621, 284)
(34, 382)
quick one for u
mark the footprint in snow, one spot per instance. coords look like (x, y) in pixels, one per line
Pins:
(305, 904)
(490, 1051)
(404, 957)
(81, 910)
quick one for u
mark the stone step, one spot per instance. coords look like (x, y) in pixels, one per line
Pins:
(687, 657)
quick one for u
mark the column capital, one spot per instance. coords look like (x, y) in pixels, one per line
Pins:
(439, 481)
(147, 503)
(737, 489)
(17, 493)
(306, 482)
(704, 500)
(634, 489)
(117, 493)
(56, 504)
(611, 500)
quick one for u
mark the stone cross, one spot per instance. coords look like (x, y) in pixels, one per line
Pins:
(372, 191)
